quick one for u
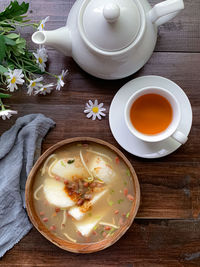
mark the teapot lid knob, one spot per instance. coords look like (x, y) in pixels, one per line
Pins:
(110, 25)
(111, 12)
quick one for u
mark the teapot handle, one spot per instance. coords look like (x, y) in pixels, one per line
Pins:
(165, 11)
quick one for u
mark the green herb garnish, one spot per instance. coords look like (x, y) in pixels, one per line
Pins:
(110, 203)
(62, 163)
(112, 191)
(95, 227)
(111, 231)
(70, 161)
(125, 183)
(120, 201)
(127, 215)
(128, 172)
(79, 145)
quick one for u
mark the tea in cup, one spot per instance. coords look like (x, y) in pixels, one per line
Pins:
(153, 114)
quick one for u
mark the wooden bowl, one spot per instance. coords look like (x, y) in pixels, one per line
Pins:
(66, 245)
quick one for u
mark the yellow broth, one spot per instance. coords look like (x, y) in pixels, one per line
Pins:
(115, 205)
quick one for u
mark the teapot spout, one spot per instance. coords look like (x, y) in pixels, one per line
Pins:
(59, 39)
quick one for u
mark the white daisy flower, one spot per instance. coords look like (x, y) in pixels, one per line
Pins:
(60, 81)
(45, 89)
(94, 110)
(14, 77)
(41, 57)
(34, 85)
(42, 24)
(7, 113)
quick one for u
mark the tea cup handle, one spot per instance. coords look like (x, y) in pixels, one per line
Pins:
(180, 137)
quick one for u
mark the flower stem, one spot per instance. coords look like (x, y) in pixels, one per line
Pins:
(2, 105)
(21, 24)
(52, 75)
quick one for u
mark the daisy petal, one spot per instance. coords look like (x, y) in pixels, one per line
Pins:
(89, 115)
(100, 105)
(90, 102)
(93, 116)
(98, 116)
(102, 114)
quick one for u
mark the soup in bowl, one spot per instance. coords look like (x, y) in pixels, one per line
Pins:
(82, 194)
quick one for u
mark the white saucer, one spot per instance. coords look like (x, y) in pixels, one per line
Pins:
(131, 143)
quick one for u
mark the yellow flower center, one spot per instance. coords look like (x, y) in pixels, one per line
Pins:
(13, 80)
(44, 89)
(40, 60)
(33, 84)
(95, 109)
(42, 25)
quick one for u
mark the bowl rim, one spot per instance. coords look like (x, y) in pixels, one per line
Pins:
(63, 244)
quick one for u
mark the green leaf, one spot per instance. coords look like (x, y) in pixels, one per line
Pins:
(14, 11)
(2, 47)
(6, 28)
(4, 95)
(21, 45)
(10, 65)
(12, 35)
(19, 48)
(8, 41)
(3, 69)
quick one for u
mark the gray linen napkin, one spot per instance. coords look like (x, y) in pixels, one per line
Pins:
(19, 149)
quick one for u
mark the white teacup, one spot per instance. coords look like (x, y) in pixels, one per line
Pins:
(171, 130)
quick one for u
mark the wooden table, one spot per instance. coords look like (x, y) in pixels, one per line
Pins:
(167, 229)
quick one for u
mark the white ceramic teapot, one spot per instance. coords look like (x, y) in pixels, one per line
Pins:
(110, 39)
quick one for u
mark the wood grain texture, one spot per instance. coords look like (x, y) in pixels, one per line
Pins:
(154, 243)
(170, 187)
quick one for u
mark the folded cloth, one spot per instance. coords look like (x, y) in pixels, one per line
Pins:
(19, 149)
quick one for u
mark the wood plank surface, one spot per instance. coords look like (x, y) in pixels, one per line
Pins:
(166, 231)
(168, 185)
(153, 243)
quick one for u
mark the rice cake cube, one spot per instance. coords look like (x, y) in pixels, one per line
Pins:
(56, 195)
(67, 171)
(76, 212)
(101, 169)
(86, 226)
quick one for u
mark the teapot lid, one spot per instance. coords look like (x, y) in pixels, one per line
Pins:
(110, 25)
